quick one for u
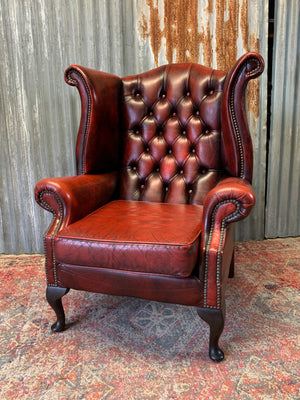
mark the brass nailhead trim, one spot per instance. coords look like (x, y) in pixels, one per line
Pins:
(253, 72)
(219, 258)
(55, 232)
(89, 106)
(236, 128)
(235, 125)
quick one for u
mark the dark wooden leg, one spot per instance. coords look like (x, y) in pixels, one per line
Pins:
(231, 268)
(215, 320)
(54, 295)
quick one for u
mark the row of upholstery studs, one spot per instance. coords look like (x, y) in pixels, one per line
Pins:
(161, 133)
(188, 94)
(170, 151)
(173, 114)
(202, 170)
(166, 188)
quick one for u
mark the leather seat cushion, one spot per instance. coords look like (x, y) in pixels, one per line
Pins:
(157, 238)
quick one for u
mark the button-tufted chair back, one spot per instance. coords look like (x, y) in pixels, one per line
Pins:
(172, 134)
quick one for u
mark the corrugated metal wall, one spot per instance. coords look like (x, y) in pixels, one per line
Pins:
(39, 113)
(283, 194)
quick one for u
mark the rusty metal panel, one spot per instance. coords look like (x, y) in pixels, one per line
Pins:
(215, 33)
(283, 194)
(39, 113)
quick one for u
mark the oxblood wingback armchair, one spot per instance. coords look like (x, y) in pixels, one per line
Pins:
(164, 164)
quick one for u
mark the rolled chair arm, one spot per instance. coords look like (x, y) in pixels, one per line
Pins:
(236, 194)
(71, 198)
(229, 201)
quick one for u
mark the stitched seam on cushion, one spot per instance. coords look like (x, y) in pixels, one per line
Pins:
(219, 251)
(134, 244)
(49, 208)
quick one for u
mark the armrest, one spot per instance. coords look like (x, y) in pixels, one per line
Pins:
(99, 125)
(71, 198)
(229, 201)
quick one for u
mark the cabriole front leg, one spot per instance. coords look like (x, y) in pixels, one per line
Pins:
(215, 320)
(54, 295)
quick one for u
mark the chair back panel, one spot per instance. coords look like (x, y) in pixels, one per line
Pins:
(172, 134)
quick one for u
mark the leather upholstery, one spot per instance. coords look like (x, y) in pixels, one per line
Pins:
(98, 91)
(169, 289)
(229, 201)
(125, 234)
(172, 134)
(164, 163)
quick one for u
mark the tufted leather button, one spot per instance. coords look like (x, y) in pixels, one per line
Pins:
(142, 186)
(170, 151)
(206, 132)
(147, 149)
(137, 94)
(193, 150)
(181, 171)
(166, 189)
(137, 132)
(184, 132)
(174, 114)
(151, 113)
(190, 191)
(133, 168)
(163, 96)
(197, 112)
(211, 92)
(188, 94)
(161, 133)
(203, 171)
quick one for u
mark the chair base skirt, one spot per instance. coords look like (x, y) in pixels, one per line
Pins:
(168, 289)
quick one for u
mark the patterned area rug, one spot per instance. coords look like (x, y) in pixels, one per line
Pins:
(123, 348)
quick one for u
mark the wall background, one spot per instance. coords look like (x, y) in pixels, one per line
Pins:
(40, 114)
(283, 189)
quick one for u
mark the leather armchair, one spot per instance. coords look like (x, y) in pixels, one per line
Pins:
(164, 167)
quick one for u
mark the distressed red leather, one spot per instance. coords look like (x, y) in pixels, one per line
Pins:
(125, 234)
(164, 163)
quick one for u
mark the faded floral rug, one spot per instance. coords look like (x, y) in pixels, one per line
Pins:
(119, 348)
